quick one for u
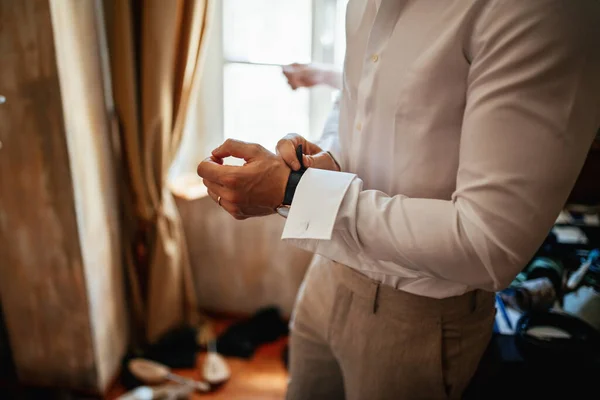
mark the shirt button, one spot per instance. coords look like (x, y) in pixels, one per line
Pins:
(358, 126)
(375, 58)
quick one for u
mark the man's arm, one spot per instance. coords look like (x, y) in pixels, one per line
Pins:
(532, 109)
(325, 154)
(309, 75)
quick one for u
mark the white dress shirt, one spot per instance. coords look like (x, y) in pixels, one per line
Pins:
(462, 128)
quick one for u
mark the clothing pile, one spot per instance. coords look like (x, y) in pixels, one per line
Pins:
(178, 348)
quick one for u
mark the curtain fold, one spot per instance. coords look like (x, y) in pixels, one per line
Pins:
(156, 52)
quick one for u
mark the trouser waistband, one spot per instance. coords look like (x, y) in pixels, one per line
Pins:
(394, 301)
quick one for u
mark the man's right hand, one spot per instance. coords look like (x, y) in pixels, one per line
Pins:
(313, 157)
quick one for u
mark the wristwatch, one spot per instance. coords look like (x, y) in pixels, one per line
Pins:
(292, 184)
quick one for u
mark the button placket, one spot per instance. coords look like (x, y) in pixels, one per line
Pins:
(385, 21)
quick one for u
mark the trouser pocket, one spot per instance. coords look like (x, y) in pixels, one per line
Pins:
(385, 357)
(463, 342)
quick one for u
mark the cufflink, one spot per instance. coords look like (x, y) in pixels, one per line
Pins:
(283, 210)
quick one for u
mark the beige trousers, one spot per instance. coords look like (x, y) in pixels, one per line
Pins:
(353, 338)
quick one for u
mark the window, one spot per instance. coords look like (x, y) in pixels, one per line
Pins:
(259, 36)
(243, 93)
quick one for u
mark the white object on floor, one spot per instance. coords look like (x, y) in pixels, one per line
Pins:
(215, 369)
(152, 373)
(570, 235)
(548, 332)
(156, 393)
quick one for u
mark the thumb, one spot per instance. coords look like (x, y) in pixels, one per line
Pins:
(320, 160)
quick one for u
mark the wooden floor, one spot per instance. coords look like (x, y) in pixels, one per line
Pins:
(263, 377)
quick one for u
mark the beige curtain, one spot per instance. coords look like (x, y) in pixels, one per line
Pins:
(156, 51)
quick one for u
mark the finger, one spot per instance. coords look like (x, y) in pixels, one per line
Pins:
(238, 149)
(321, 160)
(292, 81)
(288, 71)
(219, 190)
(287, 151)
(231, 208)
(292, 68)
(211, 170)
(307, 147)
(213, 195)
(310, 148)
(288, 75)
(286, 148)
(294, 74)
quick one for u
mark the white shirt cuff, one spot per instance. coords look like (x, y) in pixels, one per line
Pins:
(316, 204)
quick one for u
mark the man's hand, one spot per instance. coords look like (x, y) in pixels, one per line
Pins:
(254, 189)
(309, 75)
(314, 156)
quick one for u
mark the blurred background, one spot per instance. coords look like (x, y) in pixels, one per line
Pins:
(110, 248)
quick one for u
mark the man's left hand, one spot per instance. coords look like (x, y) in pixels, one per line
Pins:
(257, 188)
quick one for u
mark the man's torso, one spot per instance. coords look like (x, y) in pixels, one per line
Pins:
(405, 83)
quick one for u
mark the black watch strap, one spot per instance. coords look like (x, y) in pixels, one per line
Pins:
(294, 179)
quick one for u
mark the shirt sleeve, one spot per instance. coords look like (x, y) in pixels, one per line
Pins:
(532, 110)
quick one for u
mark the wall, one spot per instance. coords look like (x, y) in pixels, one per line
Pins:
(240, 266)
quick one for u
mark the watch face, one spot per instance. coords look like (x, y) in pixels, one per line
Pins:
(283, 211)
